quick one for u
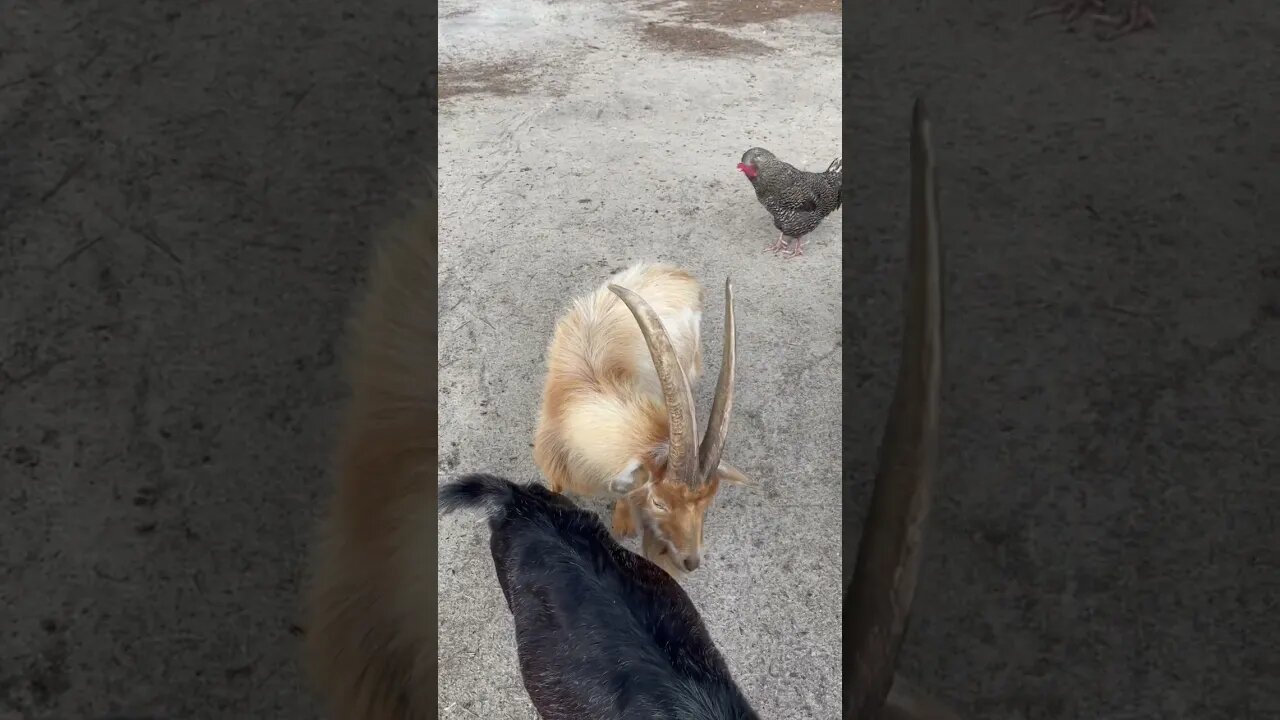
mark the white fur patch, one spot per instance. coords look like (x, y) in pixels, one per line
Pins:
(625, 481)
(692, 318)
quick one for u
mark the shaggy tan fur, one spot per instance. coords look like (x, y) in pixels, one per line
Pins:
(370, 630)
(604, 426)
(602, 405)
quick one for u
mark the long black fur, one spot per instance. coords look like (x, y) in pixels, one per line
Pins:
(601, 632)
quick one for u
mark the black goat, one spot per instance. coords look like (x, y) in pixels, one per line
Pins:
(601, 632)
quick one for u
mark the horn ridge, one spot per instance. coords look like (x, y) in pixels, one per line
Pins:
(722, 403)
(878, 602)
(682, 455)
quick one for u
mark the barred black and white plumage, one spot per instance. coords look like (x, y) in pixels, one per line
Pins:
(797, 199)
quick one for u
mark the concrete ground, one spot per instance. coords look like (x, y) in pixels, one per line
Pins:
(1104, 542)
(577, 138)
(185, 199)
(186, 195)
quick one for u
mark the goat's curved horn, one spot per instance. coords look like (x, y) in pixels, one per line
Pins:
(884, 580)
(722, 404)
(682, 455)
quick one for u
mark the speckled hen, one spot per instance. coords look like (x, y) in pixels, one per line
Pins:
(797, 199)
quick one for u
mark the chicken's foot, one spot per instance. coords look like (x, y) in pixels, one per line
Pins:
(1070, 10)
(1138, 16)
(778, 245)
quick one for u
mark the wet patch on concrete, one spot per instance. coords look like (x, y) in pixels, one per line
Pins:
(702, 41)
(729, 13)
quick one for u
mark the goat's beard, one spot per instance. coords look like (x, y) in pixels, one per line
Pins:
(652, 547)
(655, 551)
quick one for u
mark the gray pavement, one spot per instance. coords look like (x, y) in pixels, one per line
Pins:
(186, 197)
(577, 138)
(187, 192)
(1104, 541)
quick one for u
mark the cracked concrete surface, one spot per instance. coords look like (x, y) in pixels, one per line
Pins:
(599, 135)
(1103, 542)
(186, 195)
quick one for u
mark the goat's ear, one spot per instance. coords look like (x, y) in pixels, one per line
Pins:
(729, 473)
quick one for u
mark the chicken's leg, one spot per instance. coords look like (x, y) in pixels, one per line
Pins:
(795, 250)
(777, 245)
(1139, 16)
(1070, 10)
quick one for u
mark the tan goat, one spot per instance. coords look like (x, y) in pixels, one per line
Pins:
(617, 410)
(370, 624)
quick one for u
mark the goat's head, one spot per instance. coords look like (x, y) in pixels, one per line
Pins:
(681, 483)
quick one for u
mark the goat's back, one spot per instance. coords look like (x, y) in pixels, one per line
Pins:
(601, 632)
(602, 404)
(599, 339)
